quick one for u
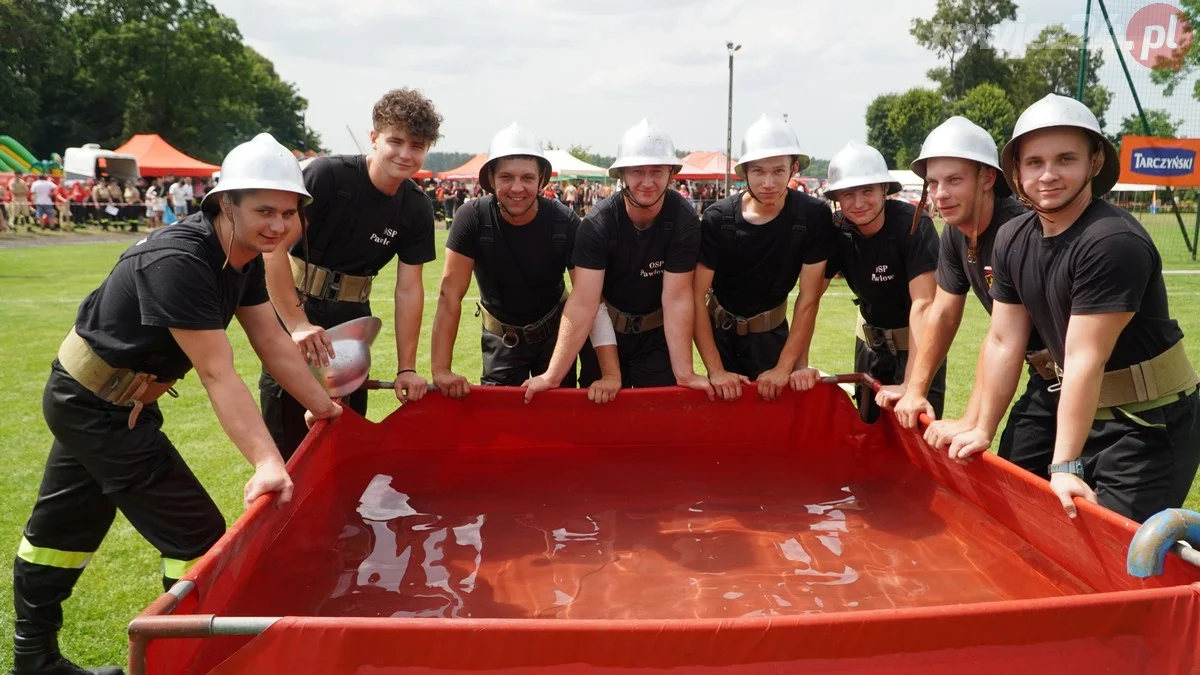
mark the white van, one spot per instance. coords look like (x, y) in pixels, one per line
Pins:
(91, 160)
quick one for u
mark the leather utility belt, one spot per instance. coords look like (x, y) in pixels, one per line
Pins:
(119, 386)
(1151, 384)
(326, 284)
(1043, 364)
(632, 324)
(763, 322)
(530, 334)
(895, 340)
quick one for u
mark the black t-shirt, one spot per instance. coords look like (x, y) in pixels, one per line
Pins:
(520, 275)
(879, 268)
(372, 227)
(1104, 263)
(757, 272)
(127, 319)
(957, 276)
(634, 260)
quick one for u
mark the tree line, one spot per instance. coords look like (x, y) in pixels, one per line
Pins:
(99, 71)
(991, 87)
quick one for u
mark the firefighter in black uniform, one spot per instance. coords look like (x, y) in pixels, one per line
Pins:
(963, 179)
(366, 211)
(637, 250)
(754, 246)
(162, 311)
(888, 256)
(518, 244)
(1086, 275)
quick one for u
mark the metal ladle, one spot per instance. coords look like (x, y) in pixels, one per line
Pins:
(351, 364)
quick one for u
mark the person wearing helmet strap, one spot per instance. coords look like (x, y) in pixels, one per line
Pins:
(1087, 276)
(754, 247)
(162, 310)
(366, 211)
(518, 244)
(887, 252)
(635, 251)
(963, 179)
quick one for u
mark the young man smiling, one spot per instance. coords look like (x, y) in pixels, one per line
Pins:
(1086, 275)
(519, 246)
(754, 247)
(162, 310)
(636, 251)
(365, 211)
(887, 252)
(963, 179)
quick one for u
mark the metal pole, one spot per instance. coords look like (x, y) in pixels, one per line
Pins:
(1083, 53)
(1196, 234)
(1187, 241)
(729, 120)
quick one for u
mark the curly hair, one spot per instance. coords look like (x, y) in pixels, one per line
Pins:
(409, 110)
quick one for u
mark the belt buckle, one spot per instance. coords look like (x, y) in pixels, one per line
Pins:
(876, 338)
(633, 323)
(333, 285)
(535, 333)
(122, 392)
(510, 338)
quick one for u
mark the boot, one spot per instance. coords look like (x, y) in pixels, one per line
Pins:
(40, 656)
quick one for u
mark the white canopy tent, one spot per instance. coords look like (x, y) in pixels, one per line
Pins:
(1133, 187)
(907, 179)
(567, 165)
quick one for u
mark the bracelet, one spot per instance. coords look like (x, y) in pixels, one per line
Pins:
(406, 370)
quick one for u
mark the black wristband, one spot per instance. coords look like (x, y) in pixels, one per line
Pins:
(405, 370)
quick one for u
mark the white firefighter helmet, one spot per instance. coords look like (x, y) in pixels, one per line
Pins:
(514, 141)
(260, 164)
(1062, 111)
(961, 138)
(644, 144)
(857, 165)
(769, 137)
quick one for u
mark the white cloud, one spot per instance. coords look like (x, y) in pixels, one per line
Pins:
(583, 72)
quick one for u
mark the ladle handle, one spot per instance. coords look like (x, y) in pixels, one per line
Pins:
(856, 378)
(371, 385)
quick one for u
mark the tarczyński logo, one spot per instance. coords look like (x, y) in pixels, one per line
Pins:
(1163, 161)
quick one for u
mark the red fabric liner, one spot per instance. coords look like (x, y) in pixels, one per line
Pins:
(1126, 626)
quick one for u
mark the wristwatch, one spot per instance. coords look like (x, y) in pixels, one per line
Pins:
(1073, 467)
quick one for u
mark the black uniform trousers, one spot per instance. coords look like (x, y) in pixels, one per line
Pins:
(512, 366)
(1142, 464)
(644, 357)
(1137, 464)
(97, 464)
(752, 354)
(1028, 438)
(888, 368)
(283, 414)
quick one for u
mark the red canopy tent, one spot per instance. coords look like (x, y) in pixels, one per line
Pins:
(705, 166)
(468, 171)
(157, 157)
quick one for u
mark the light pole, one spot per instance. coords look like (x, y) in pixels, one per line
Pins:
(729, 124)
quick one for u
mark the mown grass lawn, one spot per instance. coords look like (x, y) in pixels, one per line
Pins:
(40, 289)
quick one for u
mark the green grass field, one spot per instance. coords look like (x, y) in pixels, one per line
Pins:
(40, 289)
